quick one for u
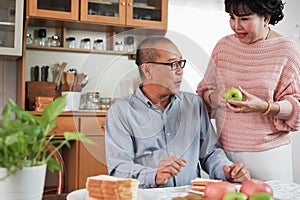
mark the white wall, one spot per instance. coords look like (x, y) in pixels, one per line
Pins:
(197, 25)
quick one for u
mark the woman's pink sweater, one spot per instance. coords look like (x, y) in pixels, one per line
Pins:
(269, 69)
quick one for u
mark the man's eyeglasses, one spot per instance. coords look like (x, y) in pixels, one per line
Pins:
(174, 65)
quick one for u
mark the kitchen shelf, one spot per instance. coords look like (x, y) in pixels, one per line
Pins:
(77, 50)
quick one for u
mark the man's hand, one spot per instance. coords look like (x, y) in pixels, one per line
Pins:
(237, 172)
(168, 167)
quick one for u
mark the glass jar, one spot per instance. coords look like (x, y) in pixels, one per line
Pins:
(92, 101)
(129, 43)
(105, 103)
(55, 41)
(71, 42)
(85, 43)
(119, 46)
(98, 44)
(29, 39)
(42, 37)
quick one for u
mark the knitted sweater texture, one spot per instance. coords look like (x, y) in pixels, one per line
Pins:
(269, 69)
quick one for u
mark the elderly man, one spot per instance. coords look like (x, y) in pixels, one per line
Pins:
(160, 135)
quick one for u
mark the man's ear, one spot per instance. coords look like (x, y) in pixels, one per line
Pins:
(146, 68)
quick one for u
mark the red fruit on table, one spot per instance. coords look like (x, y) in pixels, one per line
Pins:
(216, 190)
(252, 186)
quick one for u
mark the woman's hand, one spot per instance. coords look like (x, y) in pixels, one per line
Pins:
(250, 103)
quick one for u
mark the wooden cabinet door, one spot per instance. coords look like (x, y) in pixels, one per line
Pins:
(11, 28)
(54, 9)
(104, 11)
(91, 157)
(92, 160)
(150, 13)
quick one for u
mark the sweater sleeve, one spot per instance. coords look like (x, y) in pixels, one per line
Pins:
(289, 90)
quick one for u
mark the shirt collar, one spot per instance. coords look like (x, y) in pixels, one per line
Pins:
(140, 95)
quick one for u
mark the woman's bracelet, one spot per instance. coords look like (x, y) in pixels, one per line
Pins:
(268, 108)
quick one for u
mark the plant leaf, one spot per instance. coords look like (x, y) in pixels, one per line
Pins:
(51, 111)
(53, 165)
(6, 115)
(77, 136)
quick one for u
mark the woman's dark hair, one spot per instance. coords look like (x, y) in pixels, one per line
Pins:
(260, 7)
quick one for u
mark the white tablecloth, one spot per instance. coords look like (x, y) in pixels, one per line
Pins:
(282, 191)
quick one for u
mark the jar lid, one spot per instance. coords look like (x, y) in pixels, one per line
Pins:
(42, 33)
(86, 39)
(70, 38)
(55, 37)
(93, 93)
(98, 40)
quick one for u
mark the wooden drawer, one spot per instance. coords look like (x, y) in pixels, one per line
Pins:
(66, 123)
(92, 125)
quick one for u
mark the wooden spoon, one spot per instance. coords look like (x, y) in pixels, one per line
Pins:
(77, 85)
(70, 78)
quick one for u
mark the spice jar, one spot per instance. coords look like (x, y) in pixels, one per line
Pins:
(119, 46)
(85, 43)
(29, 39)
(71, 42)
(55, 41)
(92, 100)
(105, 103)
(42, 37)
(98, 44)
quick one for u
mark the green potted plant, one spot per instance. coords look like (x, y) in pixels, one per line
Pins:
(23, 145)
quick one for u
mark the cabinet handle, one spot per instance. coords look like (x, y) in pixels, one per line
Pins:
(129, 4)
(123, 3)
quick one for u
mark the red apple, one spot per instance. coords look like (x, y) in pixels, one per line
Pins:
(252, 186)
(216, 190)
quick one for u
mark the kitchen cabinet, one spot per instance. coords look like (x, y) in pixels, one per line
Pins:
(135, 13)
(82, 160)
(109, 16)
(55, 9)
(11, 28)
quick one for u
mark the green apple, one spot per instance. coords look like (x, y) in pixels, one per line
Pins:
(233, 94)
(261, 196)
(234, 196)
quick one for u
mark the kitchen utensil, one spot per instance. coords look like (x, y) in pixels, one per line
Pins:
(43, 73)
(77, 83)
(70, 78)
(61, 71)
(36, 73)
(85, 81)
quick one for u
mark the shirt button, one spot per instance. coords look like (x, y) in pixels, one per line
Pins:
(168, 134)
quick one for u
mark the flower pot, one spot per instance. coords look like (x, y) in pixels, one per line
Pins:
(26, 184)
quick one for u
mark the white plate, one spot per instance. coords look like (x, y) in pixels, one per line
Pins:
(78, 195)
